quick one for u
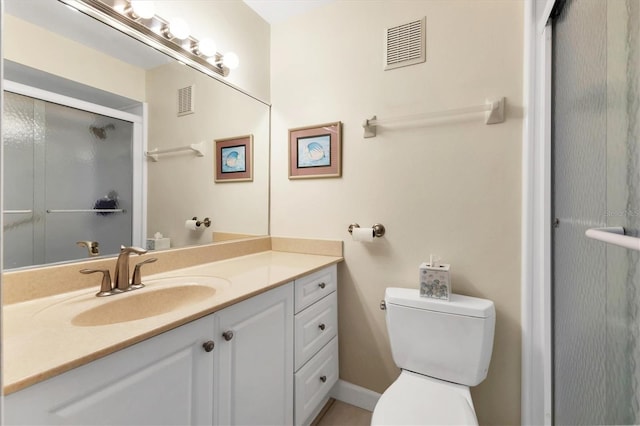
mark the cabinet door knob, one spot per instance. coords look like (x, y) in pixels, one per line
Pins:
(322, 285)
(322, 327)
(228, 335)
(208, 345)
(323, 379)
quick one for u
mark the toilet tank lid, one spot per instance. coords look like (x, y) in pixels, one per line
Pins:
(457, 304)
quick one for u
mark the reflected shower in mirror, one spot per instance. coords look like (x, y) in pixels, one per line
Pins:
(53, 55)
(72, 181)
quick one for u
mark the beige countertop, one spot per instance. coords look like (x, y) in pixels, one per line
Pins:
(40, 341)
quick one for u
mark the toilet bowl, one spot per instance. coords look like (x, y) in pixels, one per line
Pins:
(414, 399)
(442, 348)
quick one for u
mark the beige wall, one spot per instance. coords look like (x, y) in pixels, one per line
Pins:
(451, 189)
(33, 46)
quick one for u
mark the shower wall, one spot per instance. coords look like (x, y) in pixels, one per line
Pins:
(596, 183)
(60, 164)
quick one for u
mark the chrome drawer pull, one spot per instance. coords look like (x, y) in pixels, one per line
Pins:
(322, 327)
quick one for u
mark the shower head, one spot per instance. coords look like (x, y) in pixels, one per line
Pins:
(101, 132)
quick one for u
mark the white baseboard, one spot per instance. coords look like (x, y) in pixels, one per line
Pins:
(355, 395)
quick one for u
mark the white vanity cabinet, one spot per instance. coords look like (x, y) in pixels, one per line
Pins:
(270, 359)
(316, 342)
(160, 381)
(171, 379)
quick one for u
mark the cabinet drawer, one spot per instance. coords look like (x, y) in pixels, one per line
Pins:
(314, 381)
(314, 327)
(314, 287)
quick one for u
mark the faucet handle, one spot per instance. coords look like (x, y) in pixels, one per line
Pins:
(92, 247)
(136, 250)
(136, 281)
(105, 287)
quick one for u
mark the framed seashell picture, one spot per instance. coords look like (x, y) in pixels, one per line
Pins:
(234, 159)
(315, 151)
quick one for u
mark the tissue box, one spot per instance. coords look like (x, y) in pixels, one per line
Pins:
(158, 243)
(435, 281)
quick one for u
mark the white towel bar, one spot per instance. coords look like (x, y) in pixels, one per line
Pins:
(87, 211)
(614, 235)
(493, 109)
(198, 148)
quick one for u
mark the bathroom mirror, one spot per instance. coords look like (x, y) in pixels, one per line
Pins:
(129, 90)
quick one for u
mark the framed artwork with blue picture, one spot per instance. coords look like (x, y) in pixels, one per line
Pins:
(315, 151)
(234, 159)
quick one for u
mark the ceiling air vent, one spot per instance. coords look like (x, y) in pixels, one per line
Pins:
(406, 44)
(185, 100)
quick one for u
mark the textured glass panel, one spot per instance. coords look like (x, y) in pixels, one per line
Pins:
(19, 129)
(579, 138)
(596, 183)
(623, 209)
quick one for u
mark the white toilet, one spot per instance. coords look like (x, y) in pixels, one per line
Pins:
(442, 347)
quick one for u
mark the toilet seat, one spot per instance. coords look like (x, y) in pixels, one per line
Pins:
(414, 399)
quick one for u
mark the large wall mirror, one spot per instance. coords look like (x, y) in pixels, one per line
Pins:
(83, 103)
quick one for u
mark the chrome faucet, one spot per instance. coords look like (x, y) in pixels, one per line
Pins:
(121, 279)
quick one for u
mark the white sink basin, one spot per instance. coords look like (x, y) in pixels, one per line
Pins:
(158, 297)
(142, 304)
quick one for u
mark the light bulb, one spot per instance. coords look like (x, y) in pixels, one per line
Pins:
(143, 8)
(231, 60)
(207, 47)
(179, 28)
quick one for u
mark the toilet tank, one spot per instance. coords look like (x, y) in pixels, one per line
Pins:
(448, 340)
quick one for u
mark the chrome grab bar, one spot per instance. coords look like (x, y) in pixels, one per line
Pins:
(17, 211)
(614, 235)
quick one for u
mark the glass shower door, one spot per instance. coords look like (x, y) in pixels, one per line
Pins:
(23, 220)
(73, 169)
(596, 181)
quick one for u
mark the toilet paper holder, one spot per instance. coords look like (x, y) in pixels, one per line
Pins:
(206, 222)
(378, 229)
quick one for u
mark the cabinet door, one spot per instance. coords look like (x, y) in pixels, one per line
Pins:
(166, 380)
(254, 368)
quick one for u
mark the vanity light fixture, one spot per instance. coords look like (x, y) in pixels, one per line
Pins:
(144, 9)
(231, 60)
(138, 19)
(177, 28)
(206, 47)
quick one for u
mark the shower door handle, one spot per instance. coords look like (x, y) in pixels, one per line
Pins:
(614, 235)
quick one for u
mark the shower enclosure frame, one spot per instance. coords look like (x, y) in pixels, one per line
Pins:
(536, 301)
(139, 202)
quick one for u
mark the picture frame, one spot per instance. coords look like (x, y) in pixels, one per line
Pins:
(233, 159)
(315, 151)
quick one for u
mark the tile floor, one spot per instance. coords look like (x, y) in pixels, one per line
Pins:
(342, 414)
